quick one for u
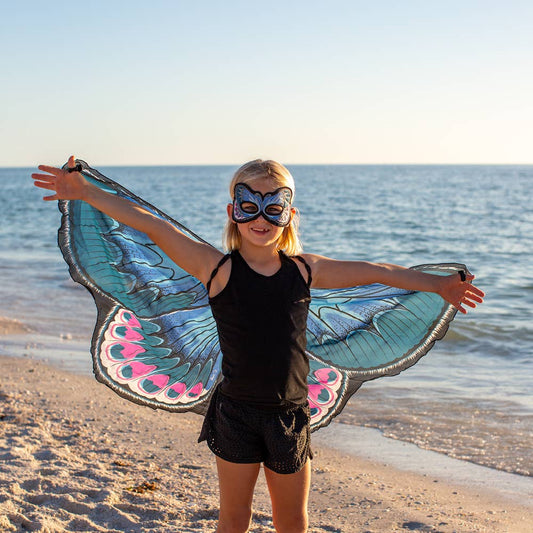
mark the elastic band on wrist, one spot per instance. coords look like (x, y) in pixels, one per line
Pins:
(77, 168)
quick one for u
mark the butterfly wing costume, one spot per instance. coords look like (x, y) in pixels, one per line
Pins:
(155, 341)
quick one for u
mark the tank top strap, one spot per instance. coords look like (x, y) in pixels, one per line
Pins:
(215, 270)
(307, 267)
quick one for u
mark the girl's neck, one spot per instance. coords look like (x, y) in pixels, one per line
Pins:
(264, 259)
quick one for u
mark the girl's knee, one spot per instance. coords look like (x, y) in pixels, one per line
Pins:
(235, 520)
(293, 523)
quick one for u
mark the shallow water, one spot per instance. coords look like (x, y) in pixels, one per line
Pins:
(469, 398)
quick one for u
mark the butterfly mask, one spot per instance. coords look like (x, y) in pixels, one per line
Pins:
(275, 207)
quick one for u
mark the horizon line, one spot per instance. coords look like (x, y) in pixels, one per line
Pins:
(148, 165)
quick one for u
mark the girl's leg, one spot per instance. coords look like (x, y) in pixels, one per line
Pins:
(289, 494)
(236, 484)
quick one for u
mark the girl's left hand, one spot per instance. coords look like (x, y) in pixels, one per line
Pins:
(460, 293)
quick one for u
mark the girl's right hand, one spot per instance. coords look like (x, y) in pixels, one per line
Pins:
(66, 185)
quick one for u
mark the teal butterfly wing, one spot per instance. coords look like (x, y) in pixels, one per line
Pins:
(155, 341)
(362, 333)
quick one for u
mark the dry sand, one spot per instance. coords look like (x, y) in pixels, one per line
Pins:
(76, 457)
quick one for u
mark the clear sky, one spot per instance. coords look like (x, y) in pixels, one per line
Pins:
(131, 82)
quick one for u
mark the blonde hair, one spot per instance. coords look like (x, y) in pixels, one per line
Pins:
(279, 176)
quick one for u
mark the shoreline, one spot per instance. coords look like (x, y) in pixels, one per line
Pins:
(74, 456)
(494, 435)
(370, 444)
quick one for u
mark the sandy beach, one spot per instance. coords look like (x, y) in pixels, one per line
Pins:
(76, 457)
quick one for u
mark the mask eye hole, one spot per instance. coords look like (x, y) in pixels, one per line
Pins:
(274, 210)
(249, 207)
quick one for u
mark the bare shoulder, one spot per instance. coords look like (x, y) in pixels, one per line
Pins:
(310, 260)
(218, 274)
(315, 261)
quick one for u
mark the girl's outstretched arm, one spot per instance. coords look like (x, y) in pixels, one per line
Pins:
(330, 274)
(197, 258)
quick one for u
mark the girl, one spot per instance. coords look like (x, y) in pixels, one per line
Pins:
(259, 295)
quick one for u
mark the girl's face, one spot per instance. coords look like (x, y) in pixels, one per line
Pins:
(260, 231)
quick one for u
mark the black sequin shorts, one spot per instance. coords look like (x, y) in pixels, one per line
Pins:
(238, 433)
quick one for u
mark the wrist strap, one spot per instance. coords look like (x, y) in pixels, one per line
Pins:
(76, 168)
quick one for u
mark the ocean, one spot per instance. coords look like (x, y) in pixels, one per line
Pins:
(469, 398)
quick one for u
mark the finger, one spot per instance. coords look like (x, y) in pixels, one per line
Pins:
(469, 303)
(43, 177)
(71, 163)
(52, 170)
(48, 198)
(474, 290)
(474, 297)
(45, 185)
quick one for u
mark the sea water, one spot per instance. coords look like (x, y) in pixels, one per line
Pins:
(469, 398)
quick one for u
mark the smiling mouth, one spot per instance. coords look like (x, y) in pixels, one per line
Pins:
(260, 230)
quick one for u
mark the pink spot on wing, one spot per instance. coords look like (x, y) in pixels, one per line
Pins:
(159, 380)
(129, 333)
(132, 335)
(132, 321)
(139, 369)
(180, 388)
(195, 391)
(313, 390)
(316, 411)
(316, 390)
(129, 351)
(324, 375)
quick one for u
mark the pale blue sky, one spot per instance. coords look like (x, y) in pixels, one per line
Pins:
(301, 81)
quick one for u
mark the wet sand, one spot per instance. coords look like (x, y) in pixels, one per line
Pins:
(496, 434)
(76, 457)
(10, 326)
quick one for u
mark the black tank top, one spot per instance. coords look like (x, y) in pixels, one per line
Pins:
(261, 322)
